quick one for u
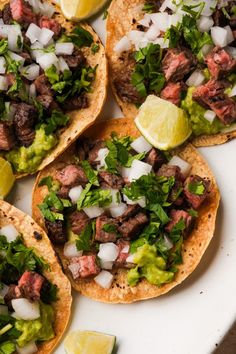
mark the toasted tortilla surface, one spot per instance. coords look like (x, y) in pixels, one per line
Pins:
(122, 18)
(194, 246)
(81, 119)
(26, 227)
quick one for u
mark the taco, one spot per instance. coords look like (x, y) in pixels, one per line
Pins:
(53, 82)
(128, 222)
(35, 295)
(180, 51)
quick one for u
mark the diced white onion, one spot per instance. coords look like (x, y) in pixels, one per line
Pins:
(47, 9)
(64, 48)
(209, 7)
(196, 78)
(10, 232)
(141, 145)
(163, 43)
(168, 4)
(74, 268)
(175, 19)
(32, 90)
(3, 83)
(75, 193)
(123, 45)
(206, 49)
(29, 348)
(10, 110)
(138, 169)
(3, 289)
(231, 51)
(118, 210)
(142, 202)
(129, 201)
(25, 309)
(31, 72)
(233, 91)
(47, 60)
(130, 259)
(106, 264)
(167, 242)
(93, 211)
(37, 50)
(13, 38)
(101, 156)
(108, 251)
(219, 36)
(145, 21)
(136, 36)
(230, 36)
(70, 250)
(16, 57)
(209, 115)
(3, 310)
(205, 23)
(125, 171)
(161, 20)
(45, 36)
(184, 166)
(4, 30)
(62, 64)
(152, 33)
(104, 279)
(36, 4)
(2, 65)
(33, 33)
(125, 249)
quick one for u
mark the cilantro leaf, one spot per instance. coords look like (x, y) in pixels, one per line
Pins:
(135, 157)
(110, 228)
(83, 243)
(3, 46)
(49, 293)
(80, 37)
(100, 197)
(7, 347)
(46, 181)
(53, 201)
(118, 152)
(91, 174)
(197, 188)
(57, 119)
(105, 14)
(95, 48)
(149, 8)
(52, 74)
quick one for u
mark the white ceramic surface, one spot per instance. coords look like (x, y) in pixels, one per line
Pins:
(192, 318)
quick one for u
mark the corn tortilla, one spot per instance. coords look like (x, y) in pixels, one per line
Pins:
(27, 226)
(122, 17)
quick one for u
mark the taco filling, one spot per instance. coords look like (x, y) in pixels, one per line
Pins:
(43, 75)
(26, 296)
(185, 53)
(122, 204)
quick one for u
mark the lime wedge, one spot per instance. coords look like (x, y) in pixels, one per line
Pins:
(163, 124)
(80, 9)
(7, 178)
(88, 342)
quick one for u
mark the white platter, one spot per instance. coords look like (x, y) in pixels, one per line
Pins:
(195, 316)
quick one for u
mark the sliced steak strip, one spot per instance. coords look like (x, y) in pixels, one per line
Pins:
(56, 231)
(110, 180)
(30, 285)
(78, 221)
(133, 226)
(75, 60)
(170, 171)
(220, 62)
(22, 12)
(196, 199)
(155, 158)
(101, 235)
(7, 137)
(176, 216)
(84, 266)
(71, 175)
(24, 123)
(177, 63)
(52, 24)
(172, 92)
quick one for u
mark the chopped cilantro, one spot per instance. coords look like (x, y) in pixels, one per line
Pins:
(53, 201)
(194, 10)
(3, 46)
(118, 152)
(91, 174)
(148, 8)
(7, 347)
(100, 197)
(197, 188)
(80, 37)
(48, 293)
(84, 241)
(46, 181)
(110, 228)
(105, 14)
(52, 74)
(135, 157)
(95, 48)
(57, 119)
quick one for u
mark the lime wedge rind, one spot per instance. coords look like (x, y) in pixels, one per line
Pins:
(7, 178)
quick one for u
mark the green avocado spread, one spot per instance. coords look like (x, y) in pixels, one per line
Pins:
(27, 159)
(37, 330)
(149, 266)
(199, 124)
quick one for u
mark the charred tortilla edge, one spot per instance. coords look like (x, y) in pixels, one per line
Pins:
(117, 27)
(194, 247)
(81, 119)
(27, 226)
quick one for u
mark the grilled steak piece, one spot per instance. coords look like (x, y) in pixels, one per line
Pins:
(155, 158)
(170, 171)
(219, 18)
(93, 153)
(76, 102)
(78, 221)
(76, 59)
(84, 266)
(176, 216)
(46, 101)
(6, 15)
(52, 24)
(177, 63)
(103, 236)
(13, 293)
(133, 226)
(71, 175)
(82, 148)
(24, 123)
(196, 198)
(30, 285)
(130, 211)
(212, 95)
(56, 231)
(124, 247)
(220, 62)
(27, 57)
(43, 86)
(7, 137)
(172, 92)
(63, 192)
(22, 12)
(110, 180)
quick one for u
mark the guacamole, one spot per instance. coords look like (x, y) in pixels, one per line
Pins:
(27, 159)
(199, 124)
(149, 266)
(37, 330)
